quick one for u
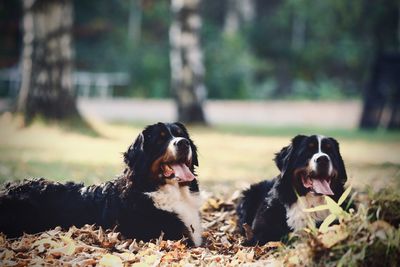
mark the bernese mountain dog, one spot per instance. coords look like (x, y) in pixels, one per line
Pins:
(310, 167)
(157, 193)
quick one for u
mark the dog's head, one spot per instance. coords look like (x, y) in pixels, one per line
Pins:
(312, 164)
(162, 153)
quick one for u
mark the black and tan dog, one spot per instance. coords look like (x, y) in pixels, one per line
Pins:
(158, 192)
(310, 167)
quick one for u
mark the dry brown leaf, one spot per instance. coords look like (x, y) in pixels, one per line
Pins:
(109, 260)
(335, 234)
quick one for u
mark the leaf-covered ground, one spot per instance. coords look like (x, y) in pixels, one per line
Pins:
(367, 237)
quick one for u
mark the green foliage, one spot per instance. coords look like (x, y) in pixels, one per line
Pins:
(231, 68)
(149, 69)
(103, 44)
(292, 49)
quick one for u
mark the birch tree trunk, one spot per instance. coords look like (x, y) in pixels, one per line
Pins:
(47, 86)
(238, 12)
(186, 59)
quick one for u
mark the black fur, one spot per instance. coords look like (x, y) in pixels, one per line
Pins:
(37, 205)
(263, 205)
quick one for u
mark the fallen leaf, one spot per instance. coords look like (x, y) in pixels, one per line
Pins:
(109, 260)
(294, 260)
(126, 256)
(140, 264)
(332, 237)
(68, 249)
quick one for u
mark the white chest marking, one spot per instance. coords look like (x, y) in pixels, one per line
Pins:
(184, 203)
(297, 218)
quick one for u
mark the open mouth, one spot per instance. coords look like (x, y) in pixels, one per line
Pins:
(318, 184)
(178, 170)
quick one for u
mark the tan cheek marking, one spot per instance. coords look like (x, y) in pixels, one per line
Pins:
(156, 165)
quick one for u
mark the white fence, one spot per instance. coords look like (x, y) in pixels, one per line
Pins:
(87, 84)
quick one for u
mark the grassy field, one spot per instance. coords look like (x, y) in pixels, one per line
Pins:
(229, 155)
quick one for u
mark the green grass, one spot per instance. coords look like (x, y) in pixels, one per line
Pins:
(380, 135)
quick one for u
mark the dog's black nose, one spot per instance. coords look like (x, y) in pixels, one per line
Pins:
(324, 160)
(183, 143)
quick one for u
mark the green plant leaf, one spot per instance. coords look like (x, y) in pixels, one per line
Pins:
(344, 195)
(333, 206)
(317, 208)
(325, 224)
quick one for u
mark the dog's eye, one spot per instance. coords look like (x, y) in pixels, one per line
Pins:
(311, 145)
(328, 147)
(160, 138)
(177, 132)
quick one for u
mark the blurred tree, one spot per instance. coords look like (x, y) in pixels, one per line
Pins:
(47, 61)
(280, 48)
(382, 95)
(186, 59)
(135, 21)
(238, 12)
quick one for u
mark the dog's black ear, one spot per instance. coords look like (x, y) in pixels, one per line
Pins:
(284, 160)
(195, 160)
(342, 175)
(282, 157)
(134, 151)
(182, 126)
(298, 139)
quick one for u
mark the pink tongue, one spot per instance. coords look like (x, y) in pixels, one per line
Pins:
(321, 186)
(182, 172)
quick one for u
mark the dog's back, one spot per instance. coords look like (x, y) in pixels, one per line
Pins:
(37, 205)
(251, 200)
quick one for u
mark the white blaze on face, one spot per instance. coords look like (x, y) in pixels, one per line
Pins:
(316, 156)
(179, 170)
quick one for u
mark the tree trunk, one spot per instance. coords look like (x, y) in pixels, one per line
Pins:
(186, 59)
(382, 97)
(394, 99)
(374, 100)
(394, 120)
(135, 21)
(47, 83)
(238, 12)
